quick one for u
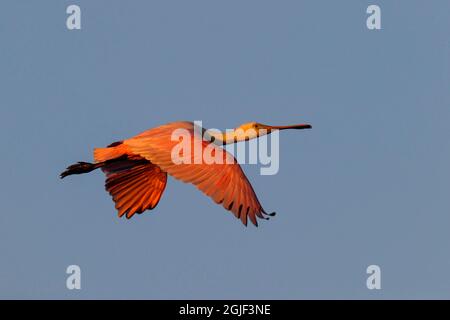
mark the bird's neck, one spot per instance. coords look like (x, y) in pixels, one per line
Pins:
(231, 136)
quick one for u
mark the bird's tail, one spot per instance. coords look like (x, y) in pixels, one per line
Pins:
(113, 151)
(79, 168)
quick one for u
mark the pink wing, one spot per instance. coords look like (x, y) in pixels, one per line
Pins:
(135, 184)
(224, 182)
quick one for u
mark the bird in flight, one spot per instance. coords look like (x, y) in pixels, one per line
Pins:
(136, 169)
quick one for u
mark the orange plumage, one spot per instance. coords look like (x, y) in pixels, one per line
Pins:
(136, 172)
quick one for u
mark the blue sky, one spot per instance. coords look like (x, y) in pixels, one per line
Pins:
(367, 185)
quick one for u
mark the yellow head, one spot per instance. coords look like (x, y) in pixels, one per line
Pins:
(254, 129)
(247, 131)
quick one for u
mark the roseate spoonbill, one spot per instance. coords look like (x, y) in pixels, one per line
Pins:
(136, 169)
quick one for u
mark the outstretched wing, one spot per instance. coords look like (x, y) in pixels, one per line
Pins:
(224, 182)
(135, 184)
